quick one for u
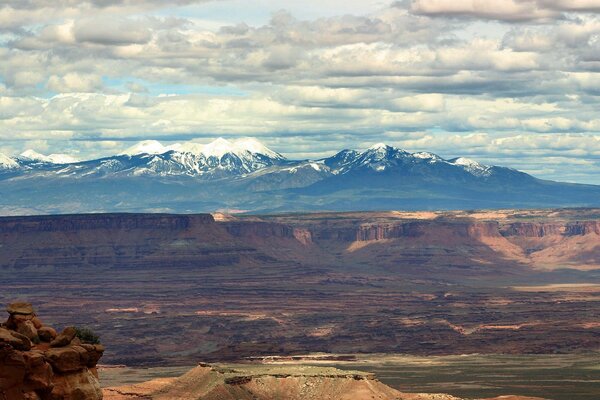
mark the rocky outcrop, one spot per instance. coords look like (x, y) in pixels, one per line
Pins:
(540, 229)
(419, 229)
(268, 229)
(38, 364)
(260, 382)
(268, 382)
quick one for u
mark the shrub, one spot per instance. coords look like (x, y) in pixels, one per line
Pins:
(86, 335)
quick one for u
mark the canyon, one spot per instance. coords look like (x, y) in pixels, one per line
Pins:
(427, 283)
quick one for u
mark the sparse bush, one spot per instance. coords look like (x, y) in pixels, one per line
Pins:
(86, 335)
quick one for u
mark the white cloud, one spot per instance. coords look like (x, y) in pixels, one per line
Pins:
(430, 74)
(74, 82)
(508, 10)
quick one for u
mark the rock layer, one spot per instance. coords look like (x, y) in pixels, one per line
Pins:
(36, 364)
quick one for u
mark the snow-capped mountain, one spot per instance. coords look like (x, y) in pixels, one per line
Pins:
(244, 174)
(218, 159)
(33, 156)
(7, 163)
(471, 166)
(223, 158)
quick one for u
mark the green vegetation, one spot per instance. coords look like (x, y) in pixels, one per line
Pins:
(86, 335)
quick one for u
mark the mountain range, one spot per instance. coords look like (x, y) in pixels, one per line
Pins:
(243, 175)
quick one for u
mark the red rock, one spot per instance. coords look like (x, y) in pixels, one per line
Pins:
(65, 337)
(64, 359)
(59, 373)
(46, 334)
(95, 352)
(39, 372)
(37, 322)
(15, 339)
(26, 328)
(78, 386)
(12, 369)
(20, 308)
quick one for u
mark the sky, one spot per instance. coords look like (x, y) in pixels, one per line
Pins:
(506, 82)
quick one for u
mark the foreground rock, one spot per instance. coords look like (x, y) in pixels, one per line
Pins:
(38, 364)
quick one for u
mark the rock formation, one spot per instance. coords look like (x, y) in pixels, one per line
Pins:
(268, 382)
(260, 382)
(36, 363)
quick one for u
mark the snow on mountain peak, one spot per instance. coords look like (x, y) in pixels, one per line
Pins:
(7, 162)
(466, 162)
(146, 147)
(378, 146)
(33, 155)
(217, 148)
(425, 155)
(471, 166)
(254, 146)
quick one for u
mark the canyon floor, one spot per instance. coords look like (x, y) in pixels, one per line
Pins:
(172, 290)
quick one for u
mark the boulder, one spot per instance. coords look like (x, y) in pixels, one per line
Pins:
(65, 359)
(15, 339)
(26, 328)
(95, 352)
(65, 371)
(39, 372)
(12, 369)
(37, 322)
(65, 337)
(77, 386)
(83, 355)
(46, 334)
(21, 308)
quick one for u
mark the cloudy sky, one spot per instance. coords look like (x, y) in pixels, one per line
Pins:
(508, 82)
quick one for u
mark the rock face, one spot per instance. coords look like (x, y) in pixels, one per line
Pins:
(260, 382)
(32, 368)
(269, 382)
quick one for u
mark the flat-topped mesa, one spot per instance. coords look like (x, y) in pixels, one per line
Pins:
(265, 382)
(36, 363)
(112, 221)
(269, 381)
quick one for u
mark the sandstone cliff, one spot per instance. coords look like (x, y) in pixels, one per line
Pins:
(36, 363)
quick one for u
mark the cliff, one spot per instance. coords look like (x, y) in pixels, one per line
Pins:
(36, 363)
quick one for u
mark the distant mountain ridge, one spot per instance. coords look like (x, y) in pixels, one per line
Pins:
(244, 174)
(219, 158)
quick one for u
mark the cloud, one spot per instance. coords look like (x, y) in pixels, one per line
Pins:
(465, 76)
(516, 11)
(73, 82)
(504, 10)
(108, 31)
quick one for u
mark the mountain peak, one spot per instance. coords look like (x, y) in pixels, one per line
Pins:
(7, 163)
(32, 155)
(378, 146)
(471, 166)
(146, 147)
(217, 148)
